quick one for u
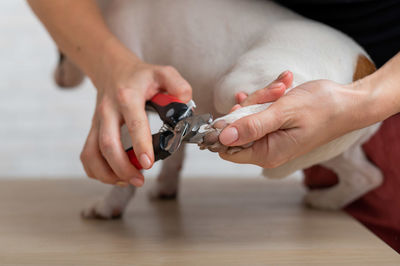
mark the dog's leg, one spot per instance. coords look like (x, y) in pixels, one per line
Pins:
(166, 186)
(356, 175)
(67, 74)
(112, 205)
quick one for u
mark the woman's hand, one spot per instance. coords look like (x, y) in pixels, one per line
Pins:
(124, 85)
(308, 116)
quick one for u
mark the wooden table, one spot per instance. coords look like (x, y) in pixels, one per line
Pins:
(215, 222)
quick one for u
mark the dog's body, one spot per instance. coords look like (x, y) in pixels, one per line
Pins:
(223, 47)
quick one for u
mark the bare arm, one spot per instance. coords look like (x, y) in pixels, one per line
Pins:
(79, 31)
(383, 89)
(123, 83)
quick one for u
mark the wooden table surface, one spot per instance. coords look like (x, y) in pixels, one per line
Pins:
(215, 222)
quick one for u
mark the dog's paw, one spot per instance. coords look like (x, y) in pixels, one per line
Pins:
(102, 211)
(159, 192)
(212, 143)
(211, 139)
(67, 74)
(322, 199)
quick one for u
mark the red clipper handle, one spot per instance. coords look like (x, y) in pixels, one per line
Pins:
(162, 99)
(133, 159)
(159, 141)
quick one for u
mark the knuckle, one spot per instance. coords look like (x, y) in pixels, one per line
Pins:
(254, 128)
(145, 75)
(103, 107)
(184, 87)
(83, 156)
(106, 143)
(276, 117)
(169, 70)
(134, 124)
(123, 95)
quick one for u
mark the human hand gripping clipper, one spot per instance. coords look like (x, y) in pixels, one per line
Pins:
(180, 125)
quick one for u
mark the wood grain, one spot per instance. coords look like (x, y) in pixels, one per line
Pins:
(214, 222)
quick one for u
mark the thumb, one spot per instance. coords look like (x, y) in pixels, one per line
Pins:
(253, 127)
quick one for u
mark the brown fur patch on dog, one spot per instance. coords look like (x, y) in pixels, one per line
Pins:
(364, 67)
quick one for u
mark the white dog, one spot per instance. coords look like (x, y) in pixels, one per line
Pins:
(223, 47)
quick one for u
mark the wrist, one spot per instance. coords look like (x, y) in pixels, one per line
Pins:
(381, 92)
(115, 53)
(368, 102)
(366, 98)
(114, 58)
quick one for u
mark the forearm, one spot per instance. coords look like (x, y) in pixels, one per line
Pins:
(80, 32)
(382, 90)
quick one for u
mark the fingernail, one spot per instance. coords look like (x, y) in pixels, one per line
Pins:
(122, 184)
(281, 76)
(145, 161)
(229, 136)
(136, 182)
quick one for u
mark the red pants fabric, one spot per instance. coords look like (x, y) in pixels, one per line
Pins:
(378, 210)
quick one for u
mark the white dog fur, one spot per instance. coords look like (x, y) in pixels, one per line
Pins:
(226, 46)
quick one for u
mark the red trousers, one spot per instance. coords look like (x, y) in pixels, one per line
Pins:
(378, 210)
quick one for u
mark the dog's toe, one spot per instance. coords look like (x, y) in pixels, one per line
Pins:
(67, 74)
(212, 143)
(157, 194)
(101, 212)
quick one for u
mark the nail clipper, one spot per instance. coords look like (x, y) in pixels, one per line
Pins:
(180, 125)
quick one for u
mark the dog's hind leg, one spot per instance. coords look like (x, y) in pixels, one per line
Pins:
(166, 185)
(112, 205)
(356, 175)
(67, 74)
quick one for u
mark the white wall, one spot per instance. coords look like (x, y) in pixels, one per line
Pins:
(43, 128)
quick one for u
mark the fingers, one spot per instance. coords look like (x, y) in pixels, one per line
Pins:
(170, 80)
(267, 94)
(286, 78)
(270, 93)
(112, 150)
(253, 127)
(244, 156)
(240, 97)
(132, 105)
(271, 151)
(93, 162)
(260, 153)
